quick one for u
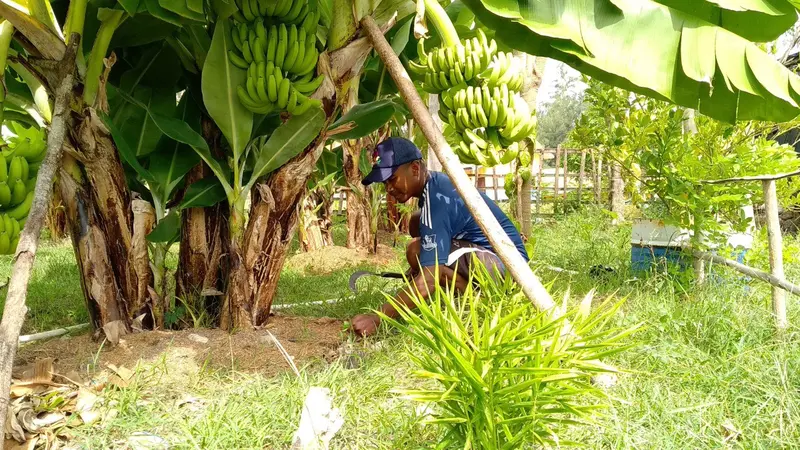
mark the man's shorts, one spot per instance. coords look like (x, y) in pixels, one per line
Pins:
(461, 258)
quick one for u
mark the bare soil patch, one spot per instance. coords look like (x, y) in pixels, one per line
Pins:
(334, 258)
(307, 340)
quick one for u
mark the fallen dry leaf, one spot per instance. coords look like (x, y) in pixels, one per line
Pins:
(197, 338)
(114, 330)
(122, 372)
(143, 440)
(48, 419)
(729, 431)
(29, 444)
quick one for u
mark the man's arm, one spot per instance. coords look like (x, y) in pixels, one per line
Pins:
(425, 283)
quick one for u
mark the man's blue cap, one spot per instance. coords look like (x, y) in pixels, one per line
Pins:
(388, 156)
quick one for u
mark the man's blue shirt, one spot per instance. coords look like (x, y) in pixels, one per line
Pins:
(445, 217)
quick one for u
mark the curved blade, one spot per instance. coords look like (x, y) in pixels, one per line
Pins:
(354, 277)
(362, 273)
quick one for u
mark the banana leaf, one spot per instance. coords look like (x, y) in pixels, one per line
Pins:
(651, 49)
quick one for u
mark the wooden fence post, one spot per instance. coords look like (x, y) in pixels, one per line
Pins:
(539, 190)
(580, 177)
(555, 180)
(566, 173)
(775, 251)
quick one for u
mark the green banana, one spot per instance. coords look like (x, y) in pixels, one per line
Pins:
(272, 42)
(291, 56)
(294, 12)
(25, 168)
(280, 53)
(304, 104)
(261, 89)
(292, 103)
(248, 55)
(5, 194)
(283, 93)
(272, 88)
(20, 211)
(262, 7)
(236, 41)
(5, 243)
(18, 192)
(271, 6)
(510, 154)
(7, 223)
(284, 8)
(14, 169)
(15, 228)
(248, 13)
(310, 86)
(3, 169)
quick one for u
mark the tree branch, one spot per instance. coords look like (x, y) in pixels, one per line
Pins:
(15, 309)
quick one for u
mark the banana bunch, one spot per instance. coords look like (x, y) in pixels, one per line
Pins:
(479, 88)
(291, 48)
(16, 186)
(484, 147)
(276, 43)
(447, 67)
(504, 69)
(293, 12)
(9, 234)
(19, 163)
(267, 90)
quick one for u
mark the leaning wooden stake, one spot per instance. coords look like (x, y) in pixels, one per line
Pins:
(775, 251)
(777, 283)
(500, 241)
(15, 309)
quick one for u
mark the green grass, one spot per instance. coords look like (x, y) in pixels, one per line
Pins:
(708, 360)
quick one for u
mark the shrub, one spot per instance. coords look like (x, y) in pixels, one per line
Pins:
(502, 373)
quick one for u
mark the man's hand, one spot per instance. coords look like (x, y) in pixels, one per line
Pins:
(365, 324)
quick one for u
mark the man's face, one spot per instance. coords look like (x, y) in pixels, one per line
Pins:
(403, 183)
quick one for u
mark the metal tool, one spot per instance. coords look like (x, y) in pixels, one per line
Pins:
(363, 273)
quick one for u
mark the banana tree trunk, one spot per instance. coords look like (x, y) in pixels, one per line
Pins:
(56, 220)
(359, 233)
(203, 246)
(256, 263)
(204, 240)
(534, 73)
(99, 215)
(310, 228)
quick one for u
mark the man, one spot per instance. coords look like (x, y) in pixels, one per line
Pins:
(447, 236)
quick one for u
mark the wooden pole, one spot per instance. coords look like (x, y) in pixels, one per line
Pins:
(778, 283)
(566, 173)
(775, 251)
(580, 177)
(15, 309)
(539, 190)
(494, 183)
(555, 180)
(501, 243)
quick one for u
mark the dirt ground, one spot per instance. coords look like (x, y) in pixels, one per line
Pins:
(307, 340)
(332, 259)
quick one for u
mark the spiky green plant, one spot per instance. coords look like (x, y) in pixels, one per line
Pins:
(504, 374)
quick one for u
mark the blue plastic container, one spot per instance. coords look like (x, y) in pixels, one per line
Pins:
(644, 257)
